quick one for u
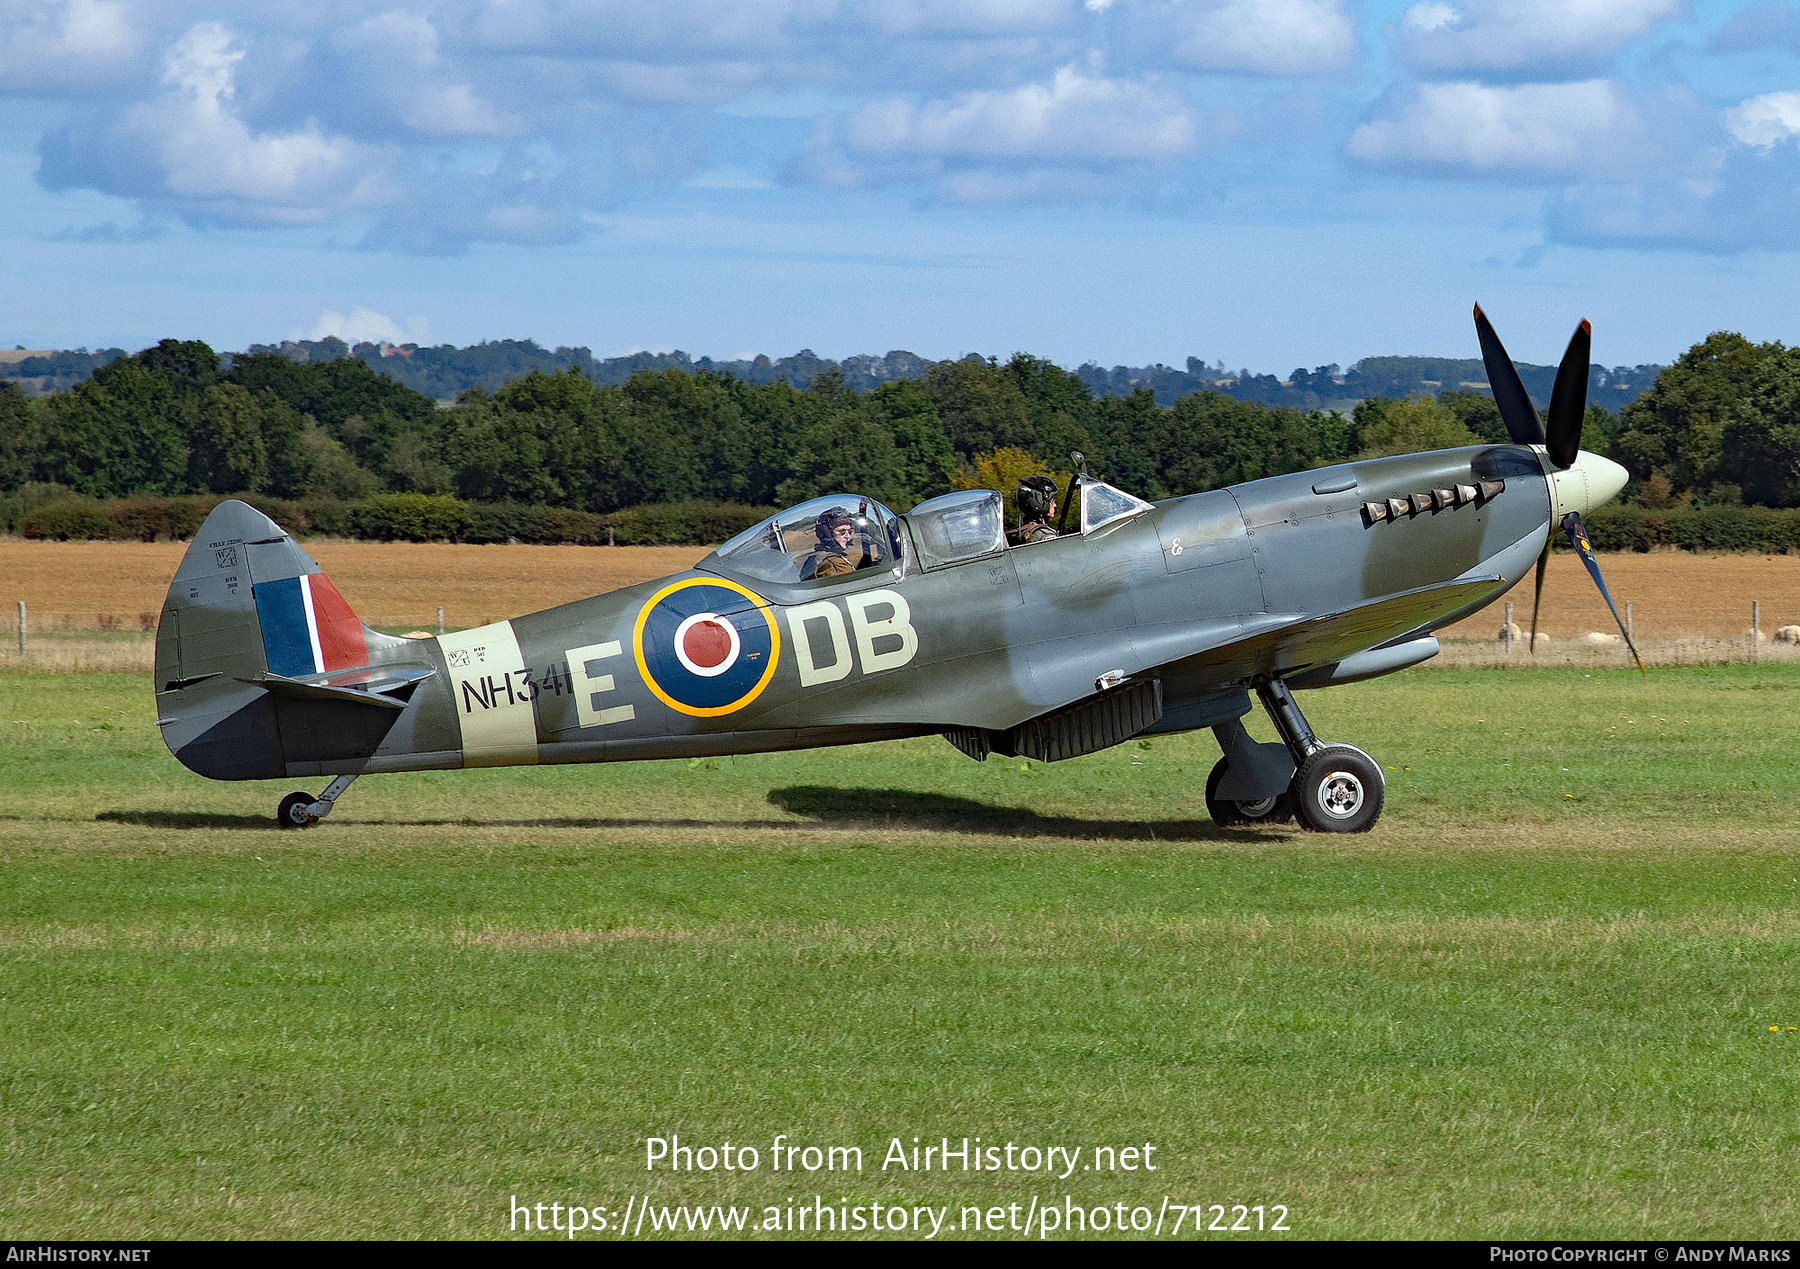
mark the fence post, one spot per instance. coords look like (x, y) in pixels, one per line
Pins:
(21, 627)
(1506, 631)
(1755, 628)
(1630, 632)
(440, 619)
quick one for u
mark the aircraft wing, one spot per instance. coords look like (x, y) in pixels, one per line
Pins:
(1306, 642)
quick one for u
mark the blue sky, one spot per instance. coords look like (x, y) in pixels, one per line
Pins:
(1269, 183)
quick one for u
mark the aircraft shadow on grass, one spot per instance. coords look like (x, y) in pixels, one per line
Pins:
(942, 812)
(203, 819)
(826, 807)
(186, 819)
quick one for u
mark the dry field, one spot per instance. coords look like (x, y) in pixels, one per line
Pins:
(1673, 596)
(1686, 608)
(90, 585)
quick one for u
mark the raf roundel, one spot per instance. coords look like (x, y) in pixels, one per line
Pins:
(706, 647)
(707, 644)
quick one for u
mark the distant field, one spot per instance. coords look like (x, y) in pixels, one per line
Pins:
(1672, 595)
(399, 584)
(1551, 996)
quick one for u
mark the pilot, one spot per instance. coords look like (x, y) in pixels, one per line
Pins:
(831, 557)
(1036, 501)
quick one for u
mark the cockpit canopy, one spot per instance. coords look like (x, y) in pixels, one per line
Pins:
(833, 536)
(970, 523)
(956, 527)
(841, 535)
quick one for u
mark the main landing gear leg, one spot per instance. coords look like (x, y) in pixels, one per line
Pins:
(302, 810)
(1336, 788)
(1249, 785)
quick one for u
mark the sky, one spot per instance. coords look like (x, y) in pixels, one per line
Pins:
(1263, 183)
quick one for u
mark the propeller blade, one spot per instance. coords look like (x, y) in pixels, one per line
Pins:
(1577, 532)
(1537, 595)
(1516, 410)
(1568, 400)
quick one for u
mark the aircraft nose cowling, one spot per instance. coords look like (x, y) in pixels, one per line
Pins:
(1589, 482)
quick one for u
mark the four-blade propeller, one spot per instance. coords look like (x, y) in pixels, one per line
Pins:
(1568, 399)
(1561, 441)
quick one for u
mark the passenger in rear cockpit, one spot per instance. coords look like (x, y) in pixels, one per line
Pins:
(1036, 500)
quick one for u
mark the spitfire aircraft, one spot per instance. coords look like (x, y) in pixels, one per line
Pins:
(839, 622)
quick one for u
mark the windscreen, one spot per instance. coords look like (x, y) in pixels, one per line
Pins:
(1102, 504)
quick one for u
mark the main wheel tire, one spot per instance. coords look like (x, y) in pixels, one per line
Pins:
(293, 813)
(1339, 789)
(1276, 810)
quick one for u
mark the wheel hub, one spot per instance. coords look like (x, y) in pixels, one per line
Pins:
(1340, 794)
(1257, 809)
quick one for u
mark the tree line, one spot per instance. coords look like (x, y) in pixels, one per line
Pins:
(1720, 426)
(445, 372)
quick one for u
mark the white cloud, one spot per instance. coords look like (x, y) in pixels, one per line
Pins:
(403, 37)
(1765, 121)
(868, 45)
(207, 152)
(1265, 37)
(187, 149)
(1516, 36)
(453, 110)
(1073, 117)
(1432, 16)
(668, 28)
(397, 59)
(365, 325)
(1477, 129)
(1074, 138)
(1729, 183)
(65, 45)
(1749, 198)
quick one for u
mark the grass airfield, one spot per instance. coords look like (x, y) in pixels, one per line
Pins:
(1537, 1001)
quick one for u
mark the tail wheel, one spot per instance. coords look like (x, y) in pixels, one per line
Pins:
(1338, 789)
(293, 812)
(1273, 810)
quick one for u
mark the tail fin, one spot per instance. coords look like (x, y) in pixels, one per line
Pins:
(249, 611)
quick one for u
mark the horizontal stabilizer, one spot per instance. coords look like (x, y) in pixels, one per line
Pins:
(371, 685)
(388, 679)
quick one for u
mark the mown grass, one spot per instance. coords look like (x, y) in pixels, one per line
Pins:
(1536, 1001)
